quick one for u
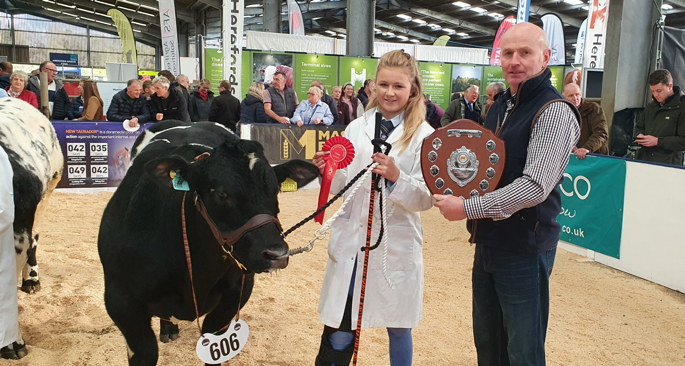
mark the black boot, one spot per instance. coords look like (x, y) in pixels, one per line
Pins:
(328, 356)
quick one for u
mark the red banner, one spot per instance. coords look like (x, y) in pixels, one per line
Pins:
(503, 28)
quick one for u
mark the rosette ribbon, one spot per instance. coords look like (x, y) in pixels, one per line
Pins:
(341, 153)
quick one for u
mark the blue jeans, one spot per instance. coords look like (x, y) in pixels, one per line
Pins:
(400, 339)
(510, 306)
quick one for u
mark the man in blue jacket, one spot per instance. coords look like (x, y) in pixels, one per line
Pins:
(128, 104)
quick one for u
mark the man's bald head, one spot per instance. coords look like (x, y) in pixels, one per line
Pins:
(572, 93)
(525, 53)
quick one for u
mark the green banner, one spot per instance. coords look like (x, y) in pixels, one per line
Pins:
(214, 68)
(592, 193)
(355, 70)
(246, 78)
(493, 74)
(436, 79)
(315, 67)
(557, 78)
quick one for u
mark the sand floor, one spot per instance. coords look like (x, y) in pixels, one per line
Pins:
(599, 316)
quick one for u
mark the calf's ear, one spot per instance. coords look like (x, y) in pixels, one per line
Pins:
(166, 170)
(300, 171)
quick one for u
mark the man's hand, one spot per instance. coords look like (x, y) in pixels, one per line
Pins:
(133, 122)
(284, 120)
(317, 121)
(647, 140)
(581, 152)
(451, 207)
(319, 161)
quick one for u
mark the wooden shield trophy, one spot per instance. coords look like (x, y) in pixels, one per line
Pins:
(462, 159)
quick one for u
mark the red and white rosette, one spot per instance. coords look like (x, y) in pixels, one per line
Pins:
(341, 153)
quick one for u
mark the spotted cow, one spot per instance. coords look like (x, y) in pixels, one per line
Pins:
(30, 142)
(229, 193)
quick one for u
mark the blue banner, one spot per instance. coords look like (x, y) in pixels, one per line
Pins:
(64, 59)
(592, 196)
(96, 154)
(522, 11)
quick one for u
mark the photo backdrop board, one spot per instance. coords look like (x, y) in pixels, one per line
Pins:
(356, 70)
(314, 67)
(265, 65)
(465, 75)
(437, 82)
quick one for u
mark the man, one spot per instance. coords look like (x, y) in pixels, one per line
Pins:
(225, 108)
(494, 90)
(201, 102)
(280, 101)
(364, 92)
(129, 104)
(183, 81)
(58, 98)
(332, 105)
(661, 126)
(514, 225)
(594, 130)
(467, 107)
(167, 102)
(6, 70)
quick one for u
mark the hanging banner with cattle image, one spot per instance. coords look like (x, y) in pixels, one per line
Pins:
(283, 143)
(592, 196)
(96, 154)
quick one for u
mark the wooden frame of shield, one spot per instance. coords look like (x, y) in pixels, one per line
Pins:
(462, 159)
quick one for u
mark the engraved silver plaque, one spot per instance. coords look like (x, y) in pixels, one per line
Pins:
(490, 145)
(448, 192)
(494, 159)
(490, 173)
(462, 166)
(435, 170)
(432, 156)
(484, 185)
(437, 143)
(474, 193)
(439, 183)
(468, 133)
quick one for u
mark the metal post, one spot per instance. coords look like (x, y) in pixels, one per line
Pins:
(272, 16)
(361, 15)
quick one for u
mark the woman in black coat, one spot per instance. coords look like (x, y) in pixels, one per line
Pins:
(252, 107)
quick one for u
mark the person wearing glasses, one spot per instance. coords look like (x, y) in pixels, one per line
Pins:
(312, 111)
(59, 100)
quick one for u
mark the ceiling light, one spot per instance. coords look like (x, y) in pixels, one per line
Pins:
(461, 4)
(435, 26)
(148, 7)
(138, 23)
(103, 3)
(342, 35)
(462, 34)
(478, 10)
(414, 40)
(404, 38)
(67, 6)
(331, 32)
(666, 7)
(573, 2)
(585, 7)
(148, 14)
(317, 18)
(377, 30)
(137, 31)
(389, 34)
(419, 21)
(496, 15)
(53, 10)
(448, 31)
(404, 16)
(253, 6)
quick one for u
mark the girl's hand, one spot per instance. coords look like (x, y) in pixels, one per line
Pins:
(386, 167)
(319, 161)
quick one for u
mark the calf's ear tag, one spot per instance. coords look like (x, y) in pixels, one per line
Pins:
(178, 182)
(213, 349)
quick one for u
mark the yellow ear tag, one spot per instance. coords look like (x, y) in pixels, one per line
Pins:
(288, 185)
(172, 174)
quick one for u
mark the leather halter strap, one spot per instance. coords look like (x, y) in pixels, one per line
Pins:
(228, 239)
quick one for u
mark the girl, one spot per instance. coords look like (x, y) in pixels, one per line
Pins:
(350, 106)
(93, 105)
(399, 98)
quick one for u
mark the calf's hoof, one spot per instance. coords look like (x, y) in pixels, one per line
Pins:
(14, 351)
(30, 286)
(168, 332)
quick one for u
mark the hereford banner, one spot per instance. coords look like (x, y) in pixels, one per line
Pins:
(232, 34)
(595, 41)
(592, 195)
(287, 142)
(96, 154)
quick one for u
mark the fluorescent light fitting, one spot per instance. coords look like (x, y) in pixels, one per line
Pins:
(148, 7)
(448, 31)
(53, 10)
(461, 4)
(128, 2)
(404, 16)
(66, 6)
(404, 38)
(138, 23)
(331, 32)
(377, 30)
(137, 31)
(496, 15)
(389, 34)
(253, 6)
(88, 19)
(419, 21)
(666, 7)
(414, 40)
(317, 18)
(434, 26)
(342, 35)
(478, 10)
(573, 2)
(148, 14)
(585, 7)
(462, 34)
(103, 3)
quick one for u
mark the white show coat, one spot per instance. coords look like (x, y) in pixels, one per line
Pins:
(9, 317)
(383, 306)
